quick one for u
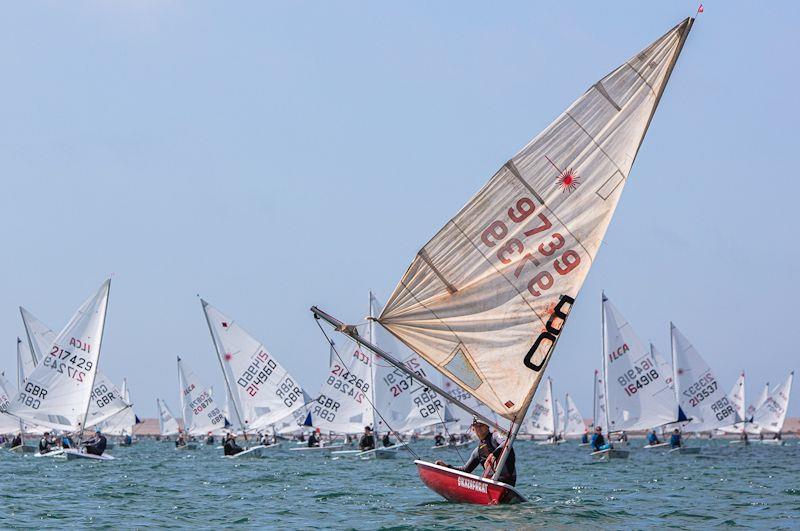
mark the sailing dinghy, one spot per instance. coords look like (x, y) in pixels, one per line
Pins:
(486, 299)
(59, 392)
(201, 414)
(772, 413)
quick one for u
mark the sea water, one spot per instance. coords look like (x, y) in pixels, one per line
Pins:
(152, 484)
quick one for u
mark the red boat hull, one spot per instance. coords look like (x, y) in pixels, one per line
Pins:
(460, 487)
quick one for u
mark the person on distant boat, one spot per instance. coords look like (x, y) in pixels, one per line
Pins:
(45, 443)
(414, 437)
(312, 440)
(181, 440)
(127, 440)
(265, 441)
(16, 441)
(761, 436)
(598, 441)
(438, 440)
(623, 437)
(230, 447)
(745, 438)
(777, 436)
(301, 437)
(210, 438)
(585, 437)
(488, 452)
(386, 441)
(675, 439)
(367, 441)
(652, 438)
(96, 445)
(464, 438)
(66, 442)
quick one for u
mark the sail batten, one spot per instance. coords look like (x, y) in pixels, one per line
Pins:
(485, 299)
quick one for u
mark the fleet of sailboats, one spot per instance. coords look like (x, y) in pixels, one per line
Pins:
(464, 339)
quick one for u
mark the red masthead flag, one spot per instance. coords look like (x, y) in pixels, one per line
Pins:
(700, 8)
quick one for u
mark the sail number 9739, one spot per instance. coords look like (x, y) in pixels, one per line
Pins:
(514, 250)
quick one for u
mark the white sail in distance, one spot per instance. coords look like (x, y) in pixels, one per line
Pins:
(639, 395)
(736, 397)
(485, 300)
(8, 392)
(599, 416)
(752, 408)
(542, 416)
(261, 390)
(123, 422)
(560, 419)
(167, 423)
(58, 391)
(106, 399)
(404, 403)
(201, 413)
(697, 388)
(574, 421)
(39, 335)
(664, 366)
(343, 404)
(772, 413)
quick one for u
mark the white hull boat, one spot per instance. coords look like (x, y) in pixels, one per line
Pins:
(256, 452)
(659, 446)
(683, 450)
(76, 455)
(611, 453)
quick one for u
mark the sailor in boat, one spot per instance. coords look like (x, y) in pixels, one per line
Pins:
(585, 437)
(16, 441)
(675, 440)
(181, 440)
(451, 441)
(367, 441)
(312, 440)
(746, 439)
(66, 441)
(623, 437)
(464, 438)
(777, 436)
(760, 436)
(264, 440)
(210, 438)
(46, 444)
(598, 441)
(488, 453)
(127, 440)
(652, 438)
(386, 441)
(230, 447)
(438, 440)
(97, 444)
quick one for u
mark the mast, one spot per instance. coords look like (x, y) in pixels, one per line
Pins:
(594, 401)
(605, 361)
(181, 385)
(19, 386)
(224, 374)
(352, 333)
(97, 361)
(553, 412)
(373, 359)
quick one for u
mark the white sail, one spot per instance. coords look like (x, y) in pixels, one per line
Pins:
(123, 422)
(462, 420)
(167, 424)
(201, 413)
(25, 361)
(599, 416)
(752, 408)
(485, 300)
(106, 399)
(403, 402)
(639, 396)
(772, 414)
(343, 404)
(574, 420)
(295, 423)
(736, 397)
(261, 390)
(8, 424)
(542, 416)
(40, 336)
(664, 366)
(561, 419)
(701, 398)
(58, 391)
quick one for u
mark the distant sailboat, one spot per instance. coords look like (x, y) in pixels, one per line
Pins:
(772, 413)
(167, 423)
(201, 412)
(573, 423)
(59, 392)
(486, 299)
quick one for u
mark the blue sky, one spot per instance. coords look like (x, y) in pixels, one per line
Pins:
(271, 156)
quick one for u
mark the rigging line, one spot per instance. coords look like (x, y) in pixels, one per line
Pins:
(397, 435)
(447, 433)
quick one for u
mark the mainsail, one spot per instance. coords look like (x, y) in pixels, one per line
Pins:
(167, 424)
(58, 391)
(262, 392)
(542, 420)
(8, 424)
(485, 300)
(574, 422)
(772, 414)
(201, 414)
(599, 416)
(106, 399)
(639, 396)
(561, 419)
(122, 423)
(698, 391)
(752, 408)
(736, 397)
